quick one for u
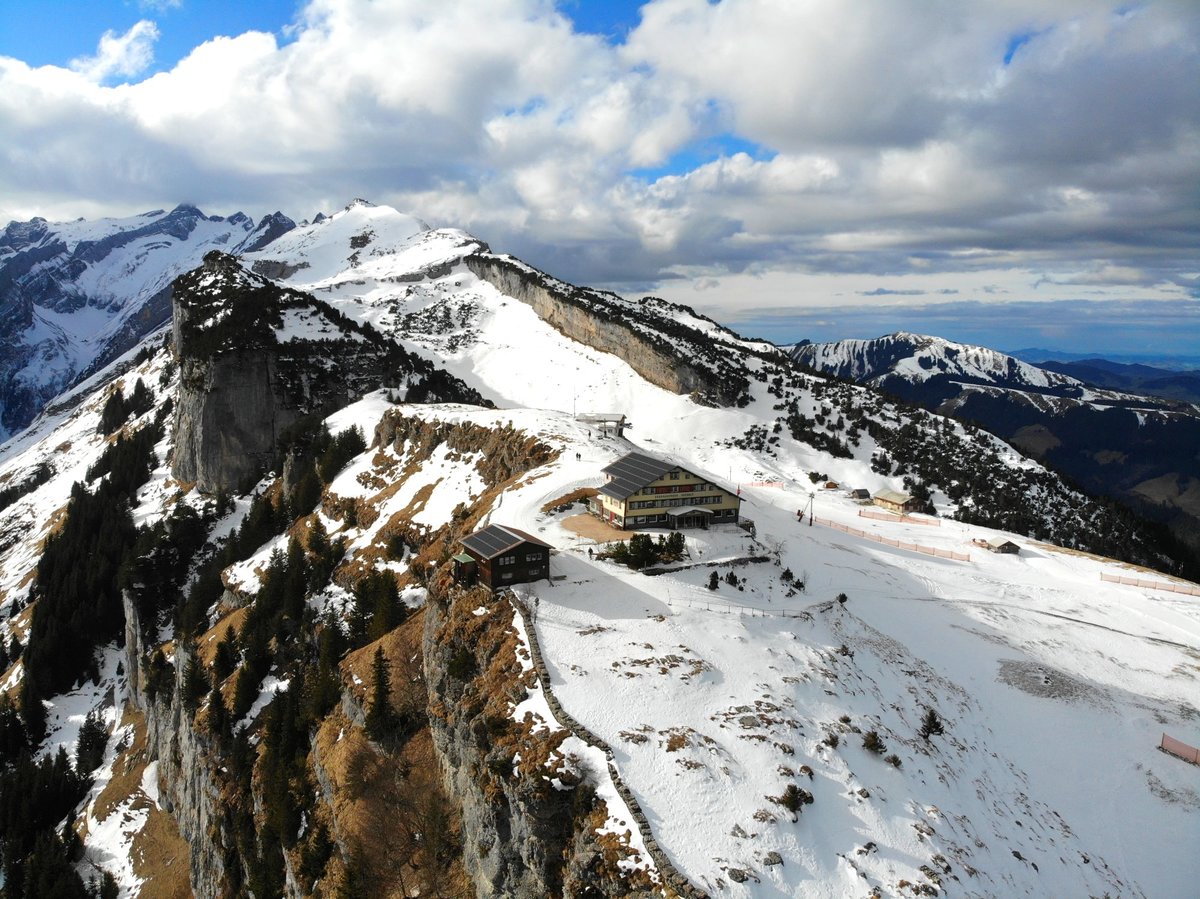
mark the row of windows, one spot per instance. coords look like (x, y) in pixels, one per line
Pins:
(512, 560)
(677, 501)
(532, 572)
(663, 519)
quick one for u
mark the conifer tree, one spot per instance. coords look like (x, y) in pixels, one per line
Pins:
(379, 713)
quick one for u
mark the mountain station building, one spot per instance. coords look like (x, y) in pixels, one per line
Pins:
(499, 556)
(643, 491)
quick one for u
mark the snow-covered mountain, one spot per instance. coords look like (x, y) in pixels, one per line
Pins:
(1134, 448)
(917, 358)
(608, 732)
(74, 295)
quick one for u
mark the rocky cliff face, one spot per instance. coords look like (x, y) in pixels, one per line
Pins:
(529, 817)
(188, 788)
(666, 351)
(256, 358)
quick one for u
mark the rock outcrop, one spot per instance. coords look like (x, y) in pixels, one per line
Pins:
(662, 349)
(529, 818)
(256, 358)
(188, 788)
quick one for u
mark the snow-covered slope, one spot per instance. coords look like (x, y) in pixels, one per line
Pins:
(1054, 685)
(76, 293)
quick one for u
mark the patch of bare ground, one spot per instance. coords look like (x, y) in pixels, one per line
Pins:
(564, 502)
(206, 644)
(160, 855)
(590, 527)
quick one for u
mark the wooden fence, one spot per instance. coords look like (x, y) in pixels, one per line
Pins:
(899, 544)
(899, 519)
(1185, 589)
(1180, 749)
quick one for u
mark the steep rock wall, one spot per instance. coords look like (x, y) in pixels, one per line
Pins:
(611, 326)
(187, 788)
(522, 835)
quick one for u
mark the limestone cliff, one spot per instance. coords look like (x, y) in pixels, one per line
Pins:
(256, 358)
(188, 787)
(529, 819)
(661, 347)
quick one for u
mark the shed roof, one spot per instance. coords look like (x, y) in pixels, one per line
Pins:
(997, 542)
(893, 496)
(632, 472)
(495, 540)
(687, 510)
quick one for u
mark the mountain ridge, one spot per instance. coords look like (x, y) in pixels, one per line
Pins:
(261, 625)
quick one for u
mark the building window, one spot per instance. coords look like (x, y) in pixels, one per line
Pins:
(674, 476)
(533, 557)
(506, 560)
(506, 576)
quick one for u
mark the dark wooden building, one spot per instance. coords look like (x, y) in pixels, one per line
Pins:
(500, 556)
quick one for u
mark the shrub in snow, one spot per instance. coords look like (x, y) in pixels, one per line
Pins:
(872, 742)
(893, 760)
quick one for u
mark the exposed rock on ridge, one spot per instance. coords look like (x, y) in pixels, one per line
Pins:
(666, 352)
(255, 358)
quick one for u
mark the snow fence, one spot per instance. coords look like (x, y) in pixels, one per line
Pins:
(898, 544)
(1185, 589)
(1179, 749)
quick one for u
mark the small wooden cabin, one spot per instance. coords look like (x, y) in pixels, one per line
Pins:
(1001, 545)
(895, 501)
(499, 556)
(861, 493)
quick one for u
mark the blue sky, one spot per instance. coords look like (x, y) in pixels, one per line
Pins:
(54, 32)
(763, 162)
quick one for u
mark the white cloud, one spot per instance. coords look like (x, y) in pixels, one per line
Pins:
(120, 55)
(894, 138)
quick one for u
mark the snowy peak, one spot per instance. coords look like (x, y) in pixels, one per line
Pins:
(918, 357)
(333, 247)
(74, 295)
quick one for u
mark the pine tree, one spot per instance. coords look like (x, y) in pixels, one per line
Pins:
(195, 684)
(379, 714)
(931, 725)
(90, 746)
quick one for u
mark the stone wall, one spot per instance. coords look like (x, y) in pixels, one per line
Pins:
(670, 874)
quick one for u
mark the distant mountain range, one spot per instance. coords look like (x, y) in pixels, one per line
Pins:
(75, 295)
(1136, 378)
(1037, 356)
(1126, 431)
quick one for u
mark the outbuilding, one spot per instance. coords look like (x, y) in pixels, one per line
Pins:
(499, 556)
(1001, 545)
(895, 501)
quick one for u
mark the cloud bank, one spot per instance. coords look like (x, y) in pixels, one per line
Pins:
(886, 137)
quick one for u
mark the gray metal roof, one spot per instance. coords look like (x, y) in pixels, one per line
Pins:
(632, 472)
(495, 540)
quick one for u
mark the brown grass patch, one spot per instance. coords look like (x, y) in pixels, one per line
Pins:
(590, 527)
(391, 813)
(206, 644)
(160, 856)
(567, 500)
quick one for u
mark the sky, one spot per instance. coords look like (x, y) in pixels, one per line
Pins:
(1016, 173)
